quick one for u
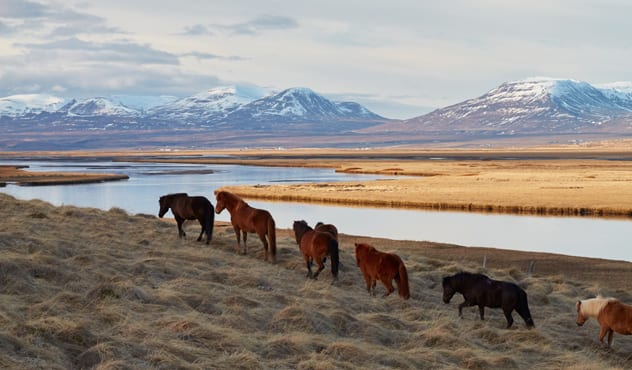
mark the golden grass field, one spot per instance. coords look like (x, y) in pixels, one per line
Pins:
(85, 288)
(24, 177)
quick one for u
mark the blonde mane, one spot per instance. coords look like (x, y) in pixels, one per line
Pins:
(592, 306)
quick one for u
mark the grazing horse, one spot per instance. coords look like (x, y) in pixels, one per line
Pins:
(315, 246)
(246, 219)
(386, 267)
(612, 315)
(184, 208)
(479, 290)
(328, 228)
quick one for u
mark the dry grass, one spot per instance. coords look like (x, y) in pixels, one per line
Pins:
(84, 288)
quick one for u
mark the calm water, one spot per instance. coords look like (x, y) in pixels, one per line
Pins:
(590, 237)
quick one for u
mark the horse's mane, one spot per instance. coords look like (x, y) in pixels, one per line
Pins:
(592, 306)
(232, 198)
(173, 195)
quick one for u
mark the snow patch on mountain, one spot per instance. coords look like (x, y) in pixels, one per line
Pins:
(16, 105)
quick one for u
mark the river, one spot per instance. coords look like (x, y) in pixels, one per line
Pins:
(588, 237)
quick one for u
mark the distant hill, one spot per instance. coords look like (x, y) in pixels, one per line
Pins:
(535, 106)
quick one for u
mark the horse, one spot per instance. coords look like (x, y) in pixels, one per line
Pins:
(612, 315)
(329, 228)
(246, 219)
(315, 246)
(184, 208)
(479, 290)
(386, 267)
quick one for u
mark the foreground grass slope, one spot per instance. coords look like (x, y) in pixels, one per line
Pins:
(84, 288)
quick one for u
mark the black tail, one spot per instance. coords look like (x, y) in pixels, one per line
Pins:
(523, 309)
(335, 259)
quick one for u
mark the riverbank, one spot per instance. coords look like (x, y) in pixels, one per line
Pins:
(20, 175)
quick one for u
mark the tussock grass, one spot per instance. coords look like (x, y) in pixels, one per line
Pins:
(83, 288)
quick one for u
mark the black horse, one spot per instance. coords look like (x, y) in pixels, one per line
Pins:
(479, 290)
(185, 207)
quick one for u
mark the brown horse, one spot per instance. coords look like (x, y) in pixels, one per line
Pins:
(315, 246)
(184, 208)
(328, 228)
(386, 267)
(246, 219)
(612, 315)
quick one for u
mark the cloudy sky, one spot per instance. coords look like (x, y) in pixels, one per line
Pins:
(399, 58)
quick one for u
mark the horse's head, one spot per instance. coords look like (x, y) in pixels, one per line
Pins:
(164, 205)
(581, 319)
(300, 228)
(221, 202)
(448, 289)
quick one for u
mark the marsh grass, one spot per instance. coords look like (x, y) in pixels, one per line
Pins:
(84, 288)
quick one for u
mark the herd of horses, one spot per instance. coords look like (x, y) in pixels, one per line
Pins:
(320, 242)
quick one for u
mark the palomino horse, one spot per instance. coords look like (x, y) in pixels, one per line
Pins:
(612, 315)
(479, 290)
(386, 267)
(246, 219)
(315, 246)
(184, 208)
(328, 228)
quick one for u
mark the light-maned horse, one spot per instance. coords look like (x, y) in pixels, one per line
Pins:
(329, 228)
(184, 208)
(246, 219)
(479, 290)
(315, 246)
(386, 267)
(611, 314)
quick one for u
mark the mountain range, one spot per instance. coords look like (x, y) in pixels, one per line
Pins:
(546, 108)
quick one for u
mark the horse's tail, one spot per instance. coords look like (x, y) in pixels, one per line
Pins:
(403, 289)
(523, 308)
(335, 258)
(272, 237)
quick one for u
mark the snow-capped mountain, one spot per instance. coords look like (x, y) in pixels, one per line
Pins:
(211, 105)
(300, 105)
(534, 105)
(94, 107)
(29, 104)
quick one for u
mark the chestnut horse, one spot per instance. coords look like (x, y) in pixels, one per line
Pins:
(479, 290)
(386, 267)
(612, 315)
(328, 228)
(315, 246)
(246, 219)
(184, 208)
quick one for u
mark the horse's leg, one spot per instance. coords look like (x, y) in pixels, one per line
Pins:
(389, 286)
(238, 237)
(321, 267)
(610, 337)
(262, 237)
(481, 310)
(373, 285)
(181, 233)
(308, 262)
(602, 333)
(508, 316)
(245, 235)
(201, 232)
(367, 280)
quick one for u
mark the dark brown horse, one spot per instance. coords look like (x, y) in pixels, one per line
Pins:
(479, 290)
(246, 219)
(184, 208)
(315, 246)
(329, 228)
(386, 267)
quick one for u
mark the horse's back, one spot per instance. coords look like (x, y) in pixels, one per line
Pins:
(618, 315)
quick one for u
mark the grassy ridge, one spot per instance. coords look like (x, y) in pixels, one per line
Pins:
(84, 288)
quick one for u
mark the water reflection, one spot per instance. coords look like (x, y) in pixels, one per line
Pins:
(591, 237)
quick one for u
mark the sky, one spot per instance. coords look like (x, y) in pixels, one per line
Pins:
(398, 58)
